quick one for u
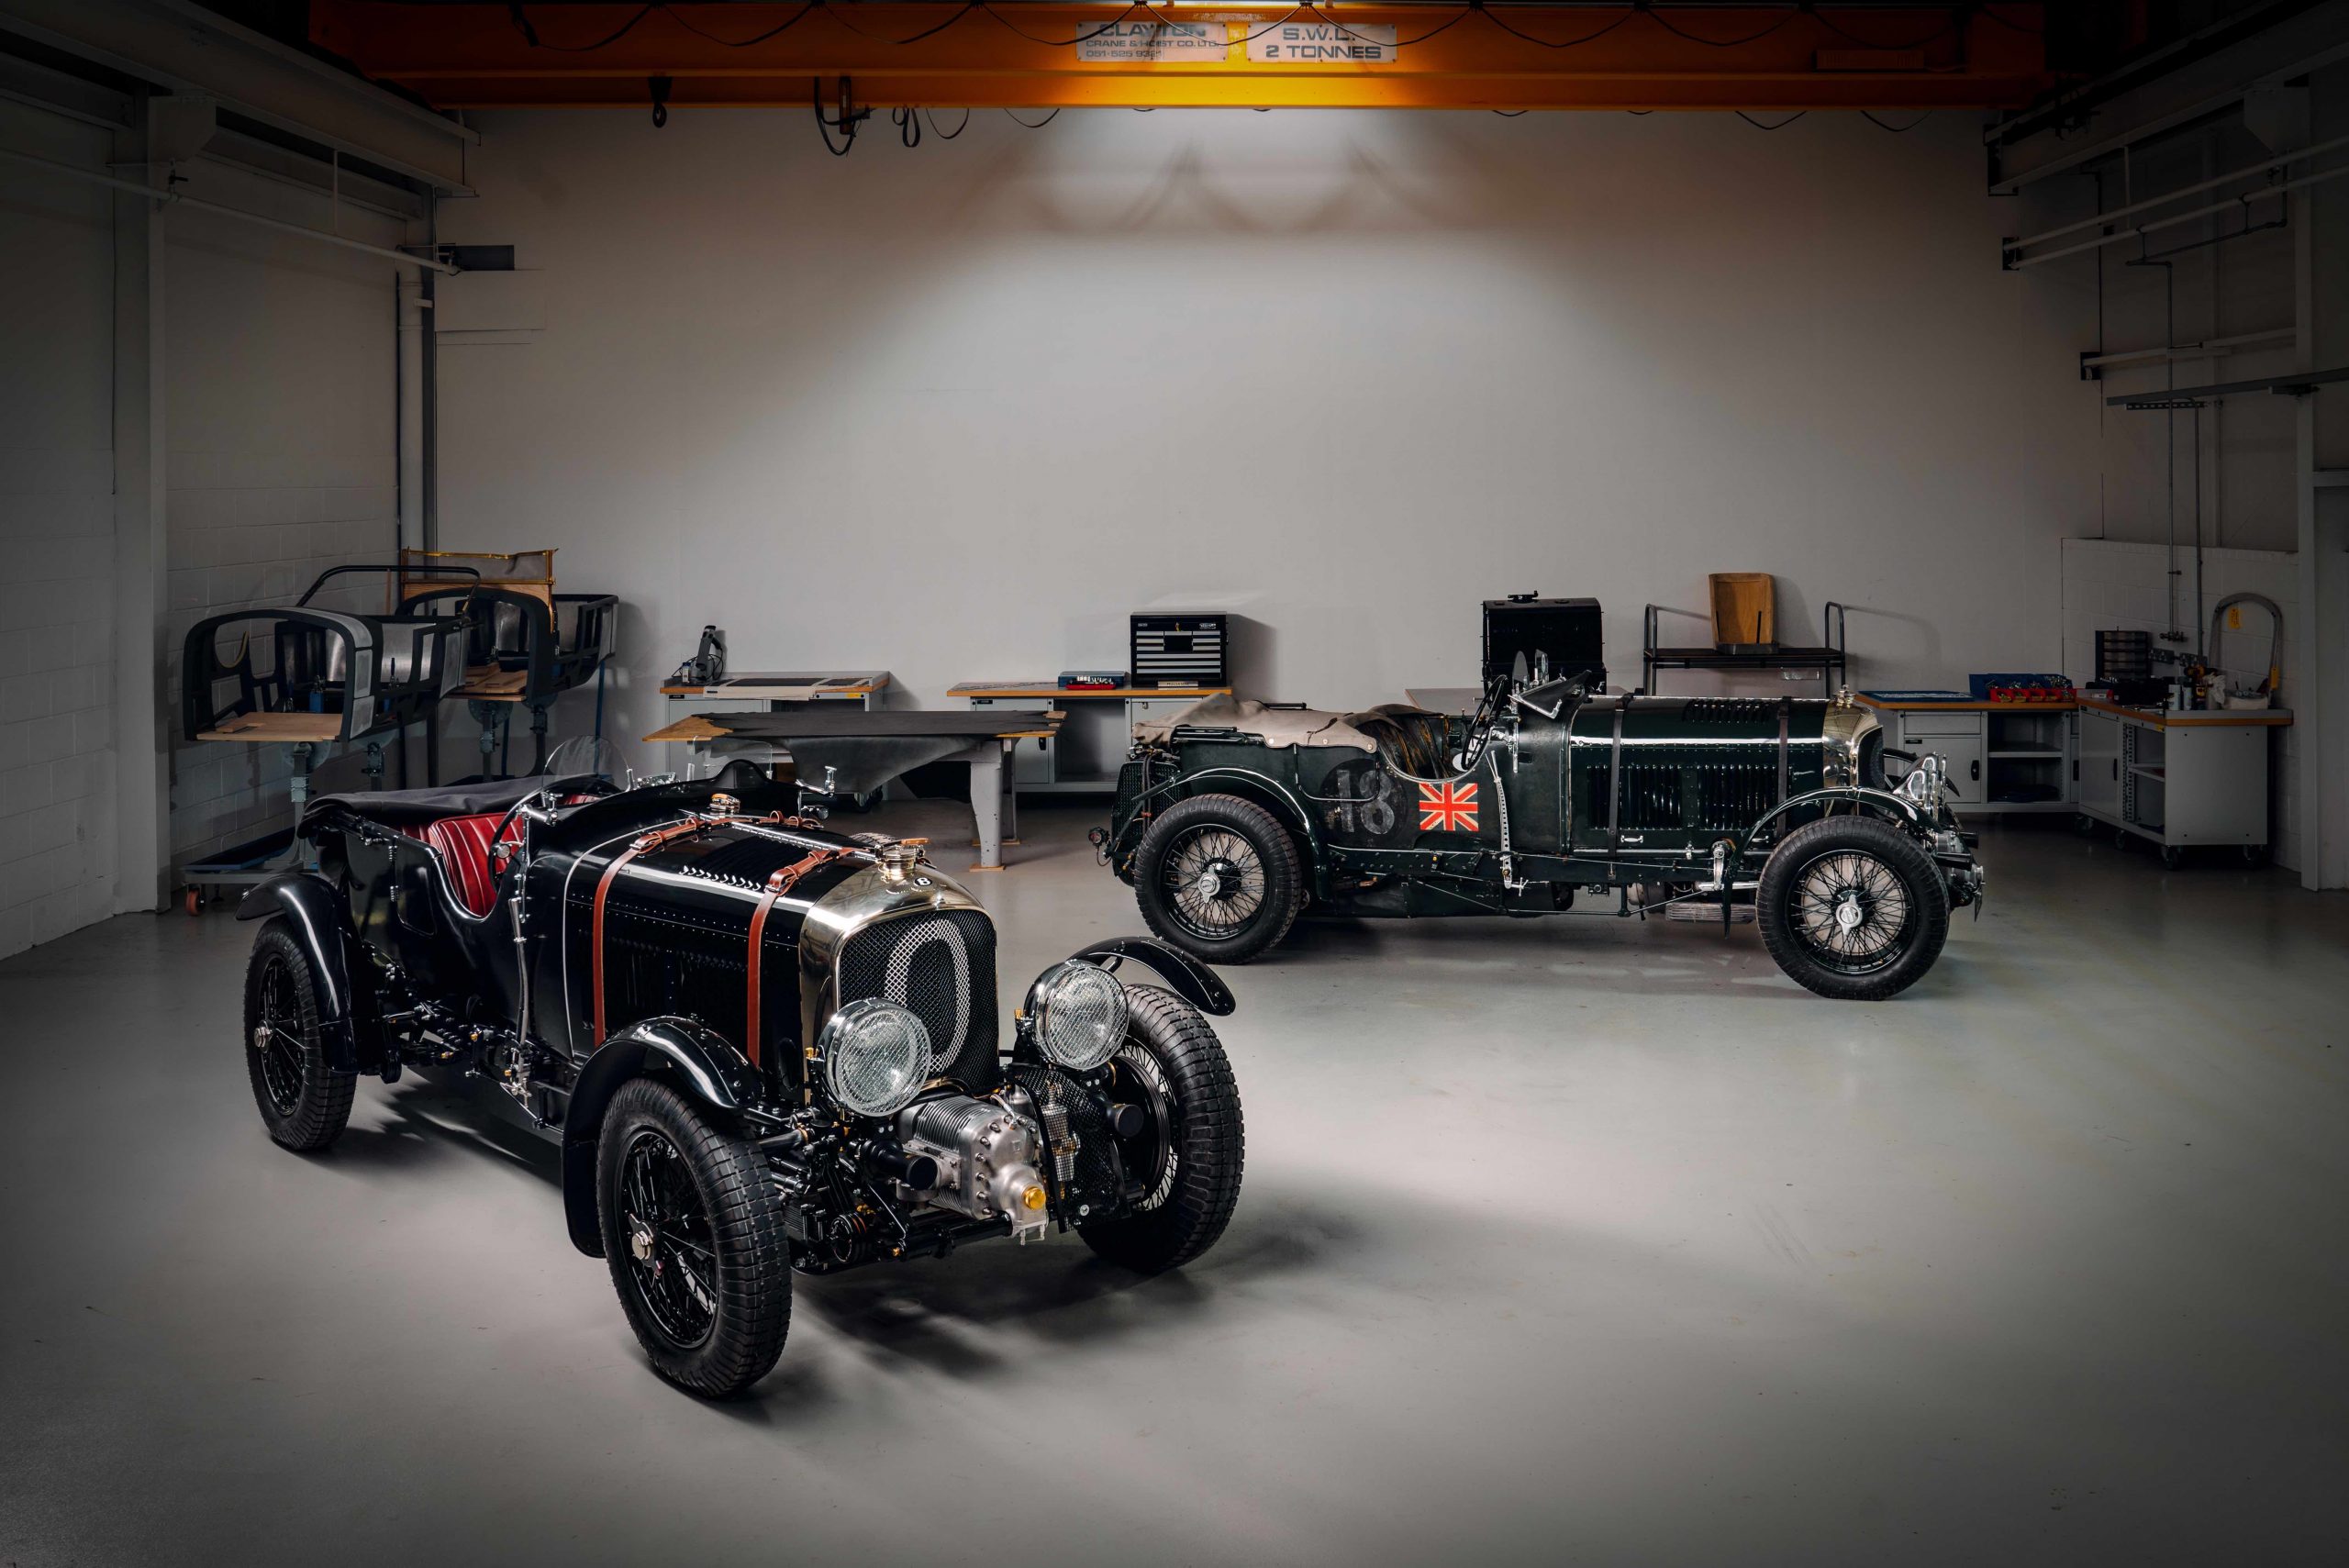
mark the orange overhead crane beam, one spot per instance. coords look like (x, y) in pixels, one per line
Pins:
(1078, 53)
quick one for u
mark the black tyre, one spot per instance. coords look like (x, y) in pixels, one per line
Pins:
(1853, 907)
(1218, 876)
(1183, 1168)
(303, 1102)
(693, 1233)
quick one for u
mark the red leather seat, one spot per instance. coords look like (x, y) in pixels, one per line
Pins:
(463, 844)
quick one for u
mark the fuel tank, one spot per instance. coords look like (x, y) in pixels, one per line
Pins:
(760, 927)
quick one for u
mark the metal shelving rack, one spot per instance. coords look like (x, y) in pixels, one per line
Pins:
(1829, 655)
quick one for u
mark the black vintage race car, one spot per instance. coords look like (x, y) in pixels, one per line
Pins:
(1236, 817)
(763, 1046)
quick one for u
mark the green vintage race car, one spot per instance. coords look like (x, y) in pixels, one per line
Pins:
(1236, 817)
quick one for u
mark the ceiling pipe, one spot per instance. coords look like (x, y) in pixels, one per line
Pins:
(2281, 159)
(175, 199)
(2121, 236)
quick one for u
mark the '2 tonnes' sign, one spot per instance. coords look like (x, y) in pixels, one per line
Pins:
(1323, 43)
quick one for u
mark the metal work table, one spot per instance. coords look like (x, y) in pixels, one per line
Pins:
(863, 749)
(777, 691)
(1052, 766)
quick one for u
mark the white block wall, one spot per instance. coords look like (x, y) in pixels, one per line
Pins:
(2110, 583)
(280, 424)
(281, 454)
(57, 760)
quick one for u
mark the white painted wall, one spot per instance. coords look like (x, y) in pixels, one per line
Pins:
(280, 432)
(956, 411)
(57, 758)
(281, 435)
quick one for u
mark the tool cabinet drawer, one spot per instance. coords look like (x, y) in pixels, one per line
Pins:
(1941, 726)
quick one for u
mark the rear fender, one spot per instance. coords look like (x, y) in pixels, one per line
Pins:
(1184, 975)
(319, 919)
(704, 1064)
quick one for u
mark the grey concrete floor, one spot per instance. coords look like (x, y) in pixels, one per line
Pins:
(1561, 1241)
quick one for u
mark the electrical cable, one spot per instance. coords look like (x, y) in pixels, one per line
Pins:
(909, 124)
(969, 6)
(1113, 23)
(1458, 17)
(1758, 125)
(1948, 26)
(779, 28)
(944, 135)
(1494, 16)
(530, 33)
(1656, 17)
(839, 14)
(1039, 125)
(1869, 115)
(1268, 26)
(842, 120)
(1511, 114)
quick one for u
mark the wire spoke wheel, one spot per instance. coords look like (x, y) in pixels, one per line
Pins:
(1182, 1165)
(1214, 881)
(672, 1264)
(1852, 912)
(303, 1097)
(1219, 877)
(1149, 1157)
(691, 1224)
(278, 1037)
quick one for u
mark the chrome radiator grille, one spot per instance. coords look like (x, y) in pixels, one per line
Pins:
(940, 963)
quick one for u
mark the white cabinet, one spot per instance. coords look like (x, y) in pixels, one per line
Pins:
(2099, 765)
(2182, 780)
(1957, 738)
(2001, 757)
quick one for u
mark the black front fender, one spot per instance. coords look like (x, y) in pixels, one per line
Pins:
(1184, 975)
(320, 918)
(710, 1066)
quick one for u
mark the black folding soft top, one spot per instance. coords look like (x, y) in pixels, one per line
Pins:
(414, 807)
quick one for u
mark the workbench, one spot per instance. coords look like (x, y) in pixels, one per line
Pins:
(854, 751)
(2178, 779)
(1086, 758)
(778, 691)
(1996, 751)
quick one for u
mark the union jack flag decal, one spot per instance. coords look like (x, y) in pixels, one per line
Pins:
(1448, 807)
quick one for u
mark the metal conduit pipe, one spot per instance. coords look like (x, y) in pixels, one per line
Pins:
(173, 198)
(2298, 155)
(2013, 265)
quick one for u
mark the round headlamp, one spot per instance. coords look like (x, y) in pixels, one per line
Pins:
(876, 1057)
(1080, 1013)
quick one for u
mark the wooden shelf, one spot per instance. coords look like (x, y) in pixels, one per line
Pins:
(278, 729)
